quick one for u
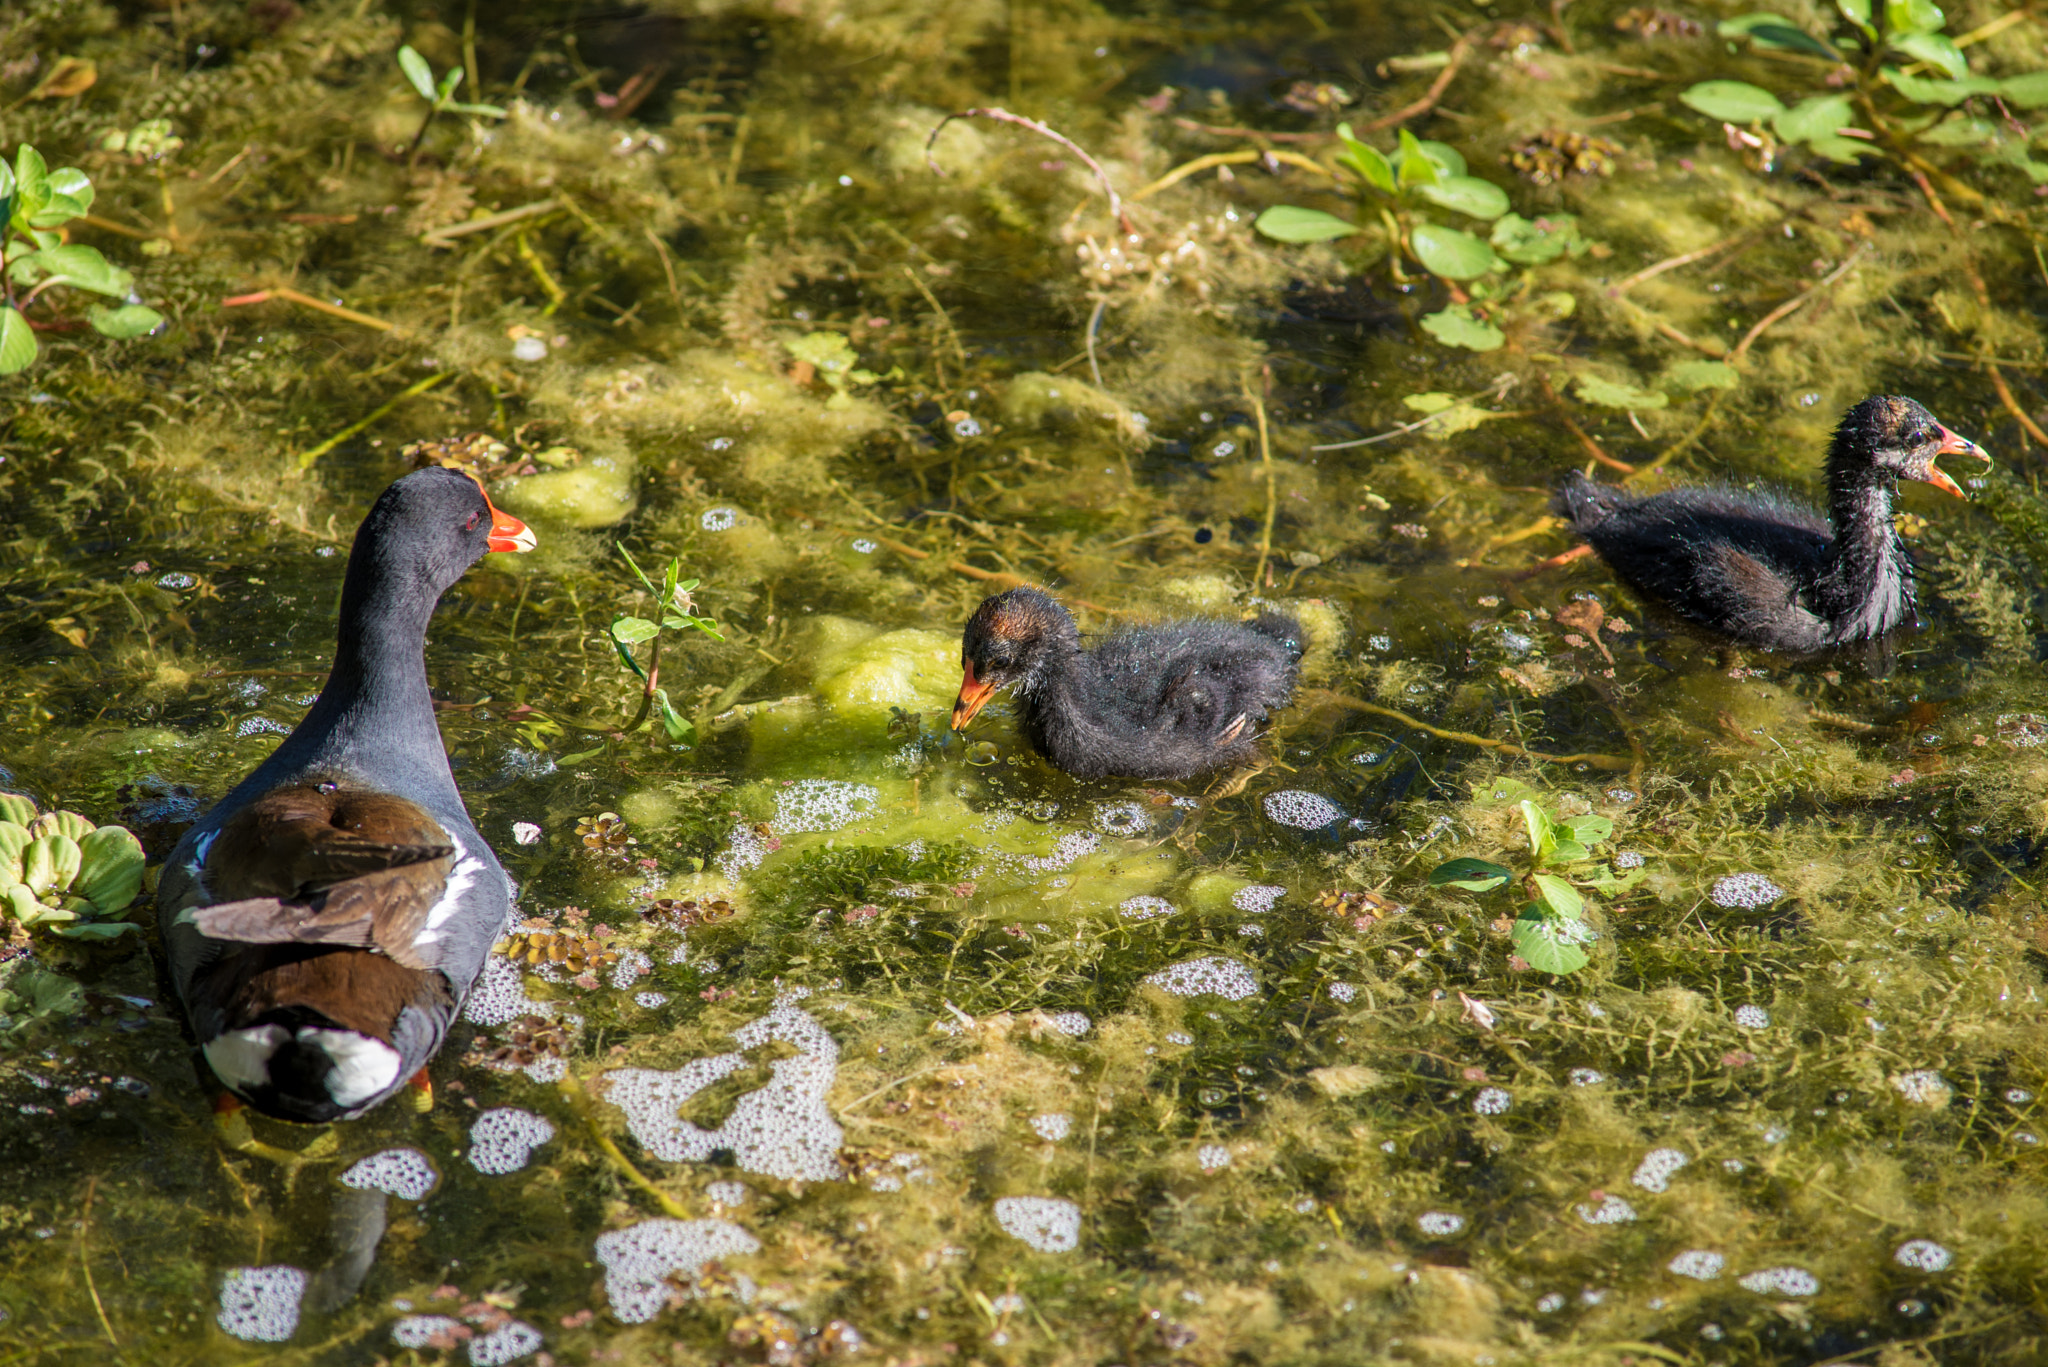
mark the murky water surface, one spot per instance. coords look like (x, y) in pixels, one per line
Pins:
(847, 1033)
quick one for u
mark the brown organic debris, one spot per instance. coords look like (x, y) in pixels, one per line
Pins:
(1550, 156)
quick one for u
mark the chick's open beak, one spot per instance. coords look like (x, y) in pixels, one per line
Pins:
(508, 533)
(973, 694)
(1953, 445)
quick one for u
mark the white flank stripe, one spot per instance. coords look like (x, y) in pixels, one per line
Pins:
(467, 867)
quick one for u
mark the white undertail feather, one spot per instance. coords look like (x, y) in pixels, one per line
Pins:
(363, 1067)
(241, 1058)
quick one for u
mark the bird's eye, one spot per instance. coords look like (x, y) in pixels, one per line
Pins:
(470, 525)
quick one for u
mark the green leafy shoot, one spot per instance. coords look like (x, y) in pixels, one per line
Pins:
(675, 611)
(35, 205)
(439, 95)
(1550, 931)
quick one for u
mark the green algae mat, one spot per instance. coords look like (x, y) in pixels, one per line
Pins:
(1564, 989)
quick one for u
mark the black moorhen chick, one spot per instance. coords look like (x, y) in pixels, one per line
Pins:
(1165, 701)
(1769, 571)
(325, 921)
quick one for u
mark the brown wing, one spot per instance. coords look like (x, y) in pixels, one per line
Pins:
(318, 864)
(359, 991)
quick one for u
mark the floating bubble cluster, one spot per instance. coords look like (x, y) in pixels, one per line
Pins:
(1654, 1172)
(1211, 976)
(1212, 1157)
(525, 833)
(509, 1342)
(1343, 992)
(404, 1173)
(1745, 891)
(1070, 848)
(1492, 1101)
(1073, 1023)
(499, 996)
(1257, 898)
(640, 1259)
(1052, 1126)
(1628, 859)
(1587, 1077)
(1922, 1087)
(1122, 818)
(1751, 1017)
(1302, 810)
(1047, 1223)
(428, 1331)
(503, 1139)
(726, 1193)
(1612, 1210)
(1145, 908)
(261, 1304)
(1780, 1281)
(631, 967)
(719, 519)
(782, 1130)
(1440, 1223)
(650, 1000)
(1923, 1255)
(1699, 1264)
(822, 804)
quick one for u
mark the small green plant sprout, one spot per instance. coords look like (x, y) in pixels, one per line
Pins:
(674, 611)
(1900, 89)
(60, 873)
(35, 204)
(1550, 932)
(439, 95)
(1420, 177)
(837, 364)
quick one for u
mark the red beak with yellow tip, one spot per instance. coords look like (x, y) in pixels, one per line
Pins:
(1953, 445)
(973, 695)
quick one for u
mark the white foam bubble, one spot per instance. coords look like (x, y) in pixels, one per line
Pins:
(429, 1331)
(1654, 1172)
(1257, 898)
(1145, 908)
(1699, 1264)
(719, 519)
(822, 804)
(1052, 1126)
(726, 1193)
(1612, 1210)
(1923, 1255)
(1074, 1023)
(1066, 851)
(631, 967)
(525, 833)
(1751, 1017)
(1780, 1281)
(1587, 1077)
(1493, 1101)
(261, 1304)
(1303, 810)
(650, 1000)
(1122, 819)
(503, 1139)
(1746, 891)
(1212, 1157)
(1047, 1223)
(1343, 992)
(500, 995)
(1210, 976)
(782, 1130)
(1439, 1223)
(1923, 1087)
(639, 1258)
(404, 1173)
(743, 850)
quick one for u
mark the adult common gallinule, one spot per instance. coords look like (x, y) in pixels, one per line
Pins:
(326, 919)
(1165, 701)
(1764, 569)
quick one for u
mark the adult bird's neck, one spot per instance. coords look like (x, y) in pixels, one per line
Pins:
(1867, 588)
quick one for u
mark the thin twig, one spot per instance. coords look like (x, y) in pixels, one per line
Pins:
(1272, 487)
(1094, 322)
(441, 237)
(1239, 158)
(667, 268)
(306, 458)
(2012, 405)
(1258, 134)
(1790, 305)
(945, 319)
(1672, 263)
(1593, 448)
(304, 300)
(1334, 699)
(1015, 581)
(1429, 98)
(579, 1101)
(1116, 204)
(1670, 452)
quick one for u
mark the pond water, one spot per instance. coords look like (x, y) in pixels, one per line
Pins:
(830, 1031)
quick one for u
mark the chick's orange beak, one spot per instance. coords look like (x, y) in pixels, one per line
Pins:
(973, 694)
(1953, 445)
(508, 533)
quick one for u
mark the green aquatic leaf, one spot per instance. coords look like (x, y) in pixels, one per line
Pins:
(95, 930)
(1450, 253)
(18, 902)
(49, 864)
(1456, 326)
(17, 808)
(1733, 101)
(673, 722)
(417, 71)
(1413, 166)
(1542, 832)
(1445, 157)
(1964, 132)
(449, 80)
(1928, 90)
(110, 869)
(70, 194)
(129, 320)
(1690, 377)
(1588, 830)
(17, 341)
(1474, 875)
(1608, 394)
(1566, 851)
(1290, 223)
(1533, 242)
(31, 183)
(488, 111)
(1857, 12)
(1468, 195)
(1372, 166)
(1546, 946)
(1786, 38)
(1935, 48)
(1914, 16)
(1820, 117)
(2029, 91)
(631, 631)
(84, 268)
(1559, 896)
(68, 824)
(1842, 151)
